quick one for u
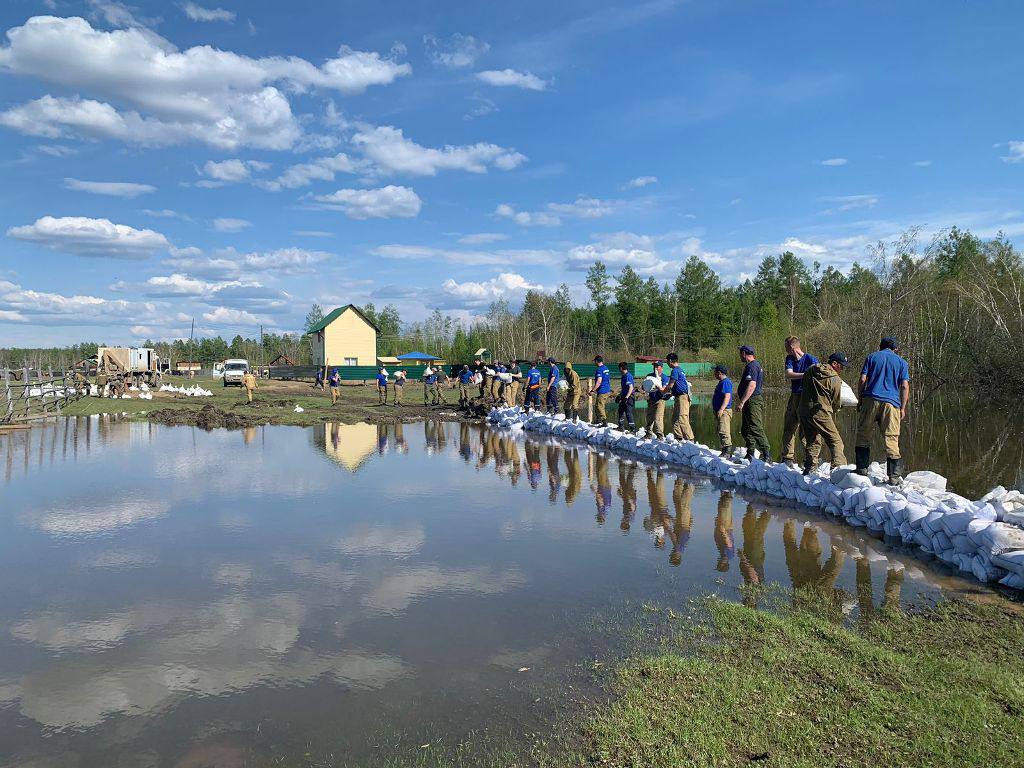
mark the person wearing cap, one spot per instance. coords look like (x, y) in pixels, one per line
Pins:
(797, 363)
(551, 391)
(572, 393)
(626, 398)
(820, 399)
(884, 394)
(382, 386)
(751, 405)
(721, 404)
(656, 401)
(679, 388)
(601, 387)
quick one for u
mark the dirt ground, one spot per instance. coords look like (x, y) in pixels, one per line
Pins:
(275, 402)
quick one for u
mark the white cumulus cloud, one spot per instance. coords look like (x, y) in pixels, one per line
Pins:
(83, 236)
(304, 174)
(230, 171)
(1016, 149)
(388, 202)
(507, 285)
(641, 181)
(835, 161)
(391, 152)
(512, 78)
(111, 188)
(457, 51)
(199, 13)
(227, 224)
(164, 95)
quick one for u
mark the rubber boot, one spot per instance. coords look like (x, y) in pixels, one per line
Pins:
(863, 456)
(726, 452)
(809, 466)
(894, 468)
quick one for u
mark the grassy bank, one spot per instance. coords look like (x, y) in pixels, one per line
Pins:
(793, 685)
(791, 688)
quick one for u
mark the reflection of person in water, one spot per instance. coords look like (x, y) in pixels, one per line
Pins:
(465, 444)
(335, 435)
(575, 473)
(723, 532)
(510, 451)
(627, 492)
(382, 439)
(682, 502)
(659, 506)
(752, 554)
(554, 473)
(865, 592)
(487, 443)
(533, 472)
(804, 562)
(601, 485)
(400, 445)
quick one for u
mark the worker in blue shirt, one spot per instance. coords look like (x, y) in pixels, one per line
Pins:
(465, 379)
(532, 388)
(656, 401)
(884, 394)
(721, 404)
(627, 397)
(551, 392)
(679, 388)
(382, 386)
(751, 406)
(601, 387)
(798, 362)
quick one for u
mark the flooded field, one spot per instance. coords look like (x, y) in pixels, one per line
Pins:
(347, 593)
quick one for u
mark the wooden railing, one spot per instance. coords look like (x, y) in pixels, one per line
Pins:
(26, 396)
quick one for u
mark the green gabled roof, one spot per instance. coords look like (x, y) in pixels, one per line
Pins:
(335, 314)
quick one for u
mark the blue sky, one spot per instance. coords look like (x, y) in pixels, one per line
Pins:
(235, 162)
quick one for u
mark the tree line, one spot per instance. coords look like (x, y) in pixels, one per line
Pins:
(956, 304)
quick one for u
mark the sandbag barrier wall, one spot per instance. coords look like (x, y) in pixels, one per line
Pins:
(984, 538)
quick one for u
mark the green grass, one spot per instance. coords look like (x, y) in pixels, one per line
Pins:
(792, 688)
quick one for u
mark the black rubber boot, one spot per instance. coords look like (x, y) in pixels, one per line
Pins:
(863, 456)
(894, 468)
(726, 452)
(809, 466)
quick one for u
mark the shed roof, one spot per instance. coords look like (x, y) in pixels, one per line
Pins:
(417, 356)
(336, 313)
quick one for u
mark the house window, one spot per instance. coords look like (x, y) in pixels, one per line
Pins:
(351, 361)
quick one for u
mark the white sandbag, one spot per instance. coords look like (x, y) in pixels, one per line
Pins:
(926, 480)
(847, 397)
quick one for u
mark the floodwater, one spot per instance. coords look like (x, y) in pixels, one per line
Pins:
(348, 593)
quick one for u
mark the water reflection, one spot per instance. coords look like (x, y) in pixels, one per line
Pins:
(168, 587)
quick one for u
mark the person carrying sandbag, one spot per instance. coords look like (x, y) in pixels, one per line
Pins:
(820, 400)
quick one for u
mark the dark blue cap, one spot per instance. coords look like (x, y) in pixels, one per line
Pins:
(746, 350)
(722, 370)
(551, 360)
(838, 357)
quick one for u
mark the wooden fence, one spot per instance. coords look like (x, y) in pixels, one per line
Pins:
(28, 394)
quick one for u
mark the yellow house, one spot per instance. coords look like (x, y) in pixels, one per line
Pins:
(344, 337)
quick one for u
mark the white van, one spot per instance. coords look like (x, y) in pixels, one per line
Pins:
(234, 370)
